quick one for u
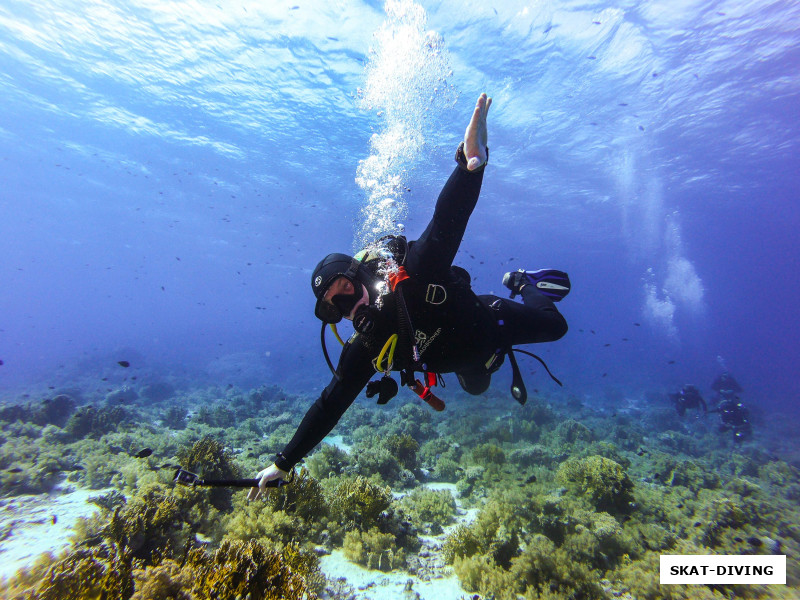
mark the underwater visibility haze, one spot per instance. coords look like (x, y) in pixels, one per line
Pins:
(171, 173)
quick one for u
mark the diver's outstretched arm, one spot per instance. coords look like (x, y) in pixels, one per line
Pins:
(433, 253)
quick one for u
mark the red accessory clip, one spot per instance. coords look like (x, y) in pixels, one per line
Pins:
(424, 392)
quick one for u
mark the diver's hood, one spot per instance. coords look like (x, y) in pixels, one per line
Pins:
(335, 265)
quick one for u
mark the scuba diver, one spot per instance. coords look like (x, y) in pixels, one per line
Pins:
(688, 397)
(413, 311)
(733, 415)
(726, 387)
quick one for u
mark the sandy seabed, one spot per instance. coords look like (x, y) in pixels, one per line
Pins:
(31, 525)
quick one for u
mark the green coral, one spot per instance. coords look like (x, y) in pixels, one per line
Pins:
(303, 497)
(219, 415)
(370, 456)
(174, 417)
(93, 421)
(291, 512)
(533, 455)
(153, 522)
(356, 503)
(328, 461)
(168, 580)
(488, 455)
(497, 531)
(571, 432)
(434, 508)
(210, 459)
(374, 550)
(404, 448)
(253, 520)
(598, 540)
(720, 515)
(541, 569)
(50, 411)
(601, 480)
(461, 543)
(251, 570)
(447, 469)
(103, 571)
(667, 469)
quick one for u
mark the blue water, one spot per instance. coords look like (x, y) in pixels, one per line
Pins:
(171, 172)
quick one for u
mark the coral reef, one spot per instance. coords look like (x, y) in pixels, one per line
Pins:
(210, 459)
(373, 549)
(102, 571)
(553, 512)
(93, 421)
(601, 480)
(356, 503)
(432, 508)
(50, 411)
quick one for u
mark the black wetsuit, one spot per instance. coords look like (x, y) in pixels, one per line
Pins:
(455, 330)
(688, 397)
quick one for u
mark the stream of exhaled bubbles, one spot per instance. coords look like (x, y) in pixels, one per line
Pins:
(406, 83)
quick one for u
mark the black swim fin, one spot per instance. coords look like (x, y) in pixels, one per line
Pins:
(551, 282)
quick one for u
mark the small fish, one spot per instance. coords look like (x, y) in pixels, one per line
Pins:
(754, 541)
(640, 452)
(54, 519)
(592, 330)
(641, 128)
(624, 339)
(697, 523)
(680, 505)
(622, 104)
(638, 324)
(738, 539)
(670, 362)
(1, 363)
(606, 345)
(15, 470)
(143, 453)
(123, 363)
(531, 479)
(104, 379)
(605, 375)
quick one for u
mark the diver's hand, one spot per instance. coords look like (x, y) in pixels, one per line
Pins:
(265, 475)
(477, 136)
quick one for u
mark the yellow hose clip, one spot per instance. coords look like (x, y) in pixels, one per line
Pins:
(390, 345)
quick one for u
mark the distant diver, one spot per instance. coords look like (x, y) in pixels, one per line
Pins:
(688, 398)
(733, 415)
(726, 387)
(414, 312)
